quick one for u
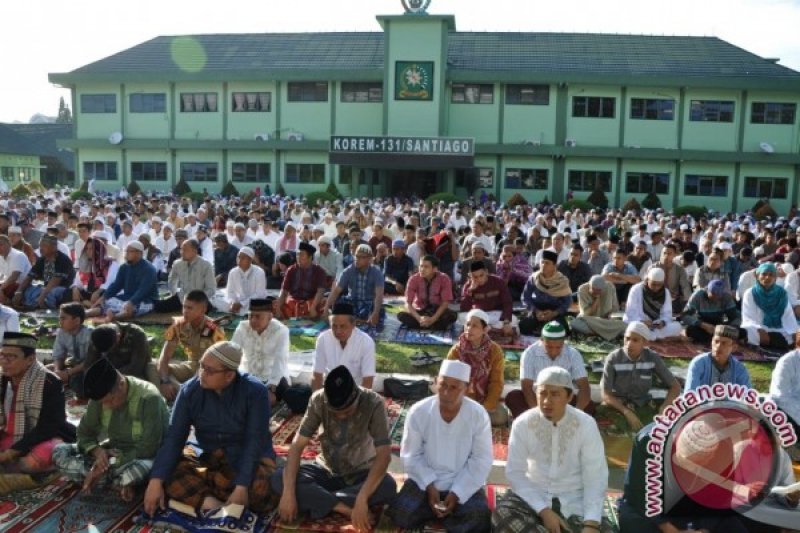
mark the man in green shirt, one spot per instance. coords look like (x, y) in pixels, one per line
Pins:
(119, 435)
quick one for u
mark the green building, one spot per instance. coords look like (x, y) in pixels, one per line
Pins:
(419, 107)
(19, 158)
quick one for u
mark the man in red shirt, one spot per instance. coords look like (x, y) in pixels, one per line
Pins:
(303, 287)
(428, 294)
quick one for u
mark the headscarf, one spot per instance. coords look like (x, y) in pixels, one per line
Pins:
(772, 301)
(479, 359)
(94, 273)
(556, 285)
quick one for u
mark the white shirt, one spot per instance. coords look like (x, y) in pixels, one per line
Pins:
(207, 250)
(785, 386)
(746, 281)
(535, 359)
(243, 286)
(240, 243)
(792, 286)
(9, 320)
(455, 456)
(634, 309)
(123, 240)
(358, 355)
(16, 261)
(415, 252)
(265, 355)
(753, 317)
(165, 245)
(564, 460)
(332, 263)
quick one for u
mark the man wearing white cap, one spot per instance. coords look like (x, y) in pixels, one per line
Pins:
(447, 454)
(556, 466)
(329, 259)
(650, 302)
(132, 292)
(245, 282)
(628, 375)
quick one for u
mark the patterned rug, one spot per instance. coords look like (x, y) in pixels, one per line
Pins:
(500, 443)
(305, 327)
(61, 507)
(429, 337)
(684, 348)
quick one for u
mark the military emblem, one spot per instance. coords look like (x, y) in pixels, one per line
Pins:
(414, 80)
(416, 7)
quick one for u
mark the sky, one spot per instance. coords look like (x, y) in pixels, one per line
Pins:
(44, 36)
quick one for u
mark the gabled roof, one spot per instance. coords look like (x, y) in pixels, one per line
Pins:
(12, 143)
(491, 56)
(42, 139)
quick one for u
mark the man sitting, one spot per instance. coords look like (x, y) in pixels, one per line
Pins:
(191, 272)
(551, 350)
(621, 274)
(675, 278)
(234, 458)
(650, 302)
(329, 259)
(361, 284)
(71, 347)
(56, 273)
(597, 299)
(717, 366)
(265, 347)
(303, 287)
(708, 308)
(555, 454)
(245, 282)
(194, 332)
(428, 296)
(784, 388)
(225, 259)
(628, 375)
(488, 292)
(547, 296)
(14, 266)
(445, 482)
(767, 313)
(350, 475)
(118, 436)
(35, 421)
(397, 268)
(124, 345)
(344, 344)
(133, 291)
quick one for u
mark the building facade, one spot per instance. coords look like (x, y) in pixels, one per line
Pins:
(19, 160)
(421, 108)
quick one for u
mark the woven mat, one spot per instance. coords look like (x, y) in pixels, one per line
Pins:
(427, 337)
(684, 348)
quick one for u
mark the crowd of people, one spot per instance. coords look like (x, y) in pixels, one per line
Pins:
(494, 273)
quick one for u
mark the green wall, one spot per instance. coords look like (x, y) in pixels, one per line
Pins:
(146, 125)
(97, 125)
(199, 126)
(535, 123)
(593, 131)
(105, 154)
(651, 133)
(783, 138)
(711, 135)
(29, 165)
(723, 203)
(474, 120)
(245, 126)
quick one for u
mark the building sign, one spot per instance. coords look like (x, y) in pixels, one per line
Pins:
(403, 152)
(416, 7)
(413, 80)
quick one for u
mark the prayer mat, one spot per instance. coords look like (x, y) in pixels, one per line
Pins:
(173, 521)
(155, 319)
(306, 327)
(405, 335)
(594, 345)
(60, 506)
(500, 443)
(680, 348)
(746, 352)
(333, 523)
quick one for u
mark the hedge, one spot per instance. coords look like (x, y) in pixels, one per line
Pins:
(324, 196)
(695, 211)
(446, 197)
(583, 205)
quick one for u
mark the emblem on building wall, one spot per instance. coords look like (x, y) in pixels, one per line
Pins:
(416, 7)
(413, 80)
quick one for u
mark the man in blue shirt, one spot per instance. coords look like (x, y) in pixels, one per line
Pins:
(233, 458)
(361, 284)
(132, 292)
(717, 366)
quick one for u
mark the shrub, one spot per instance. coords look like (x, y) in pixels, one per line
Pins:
(37, 188)
(517, 199)
(765, 211)
(651, 201)
(758, 205)
(333, 190)
(546, 200)
(583, 205)
(279, 190)
(446, 197)
(84, 186)
(80, 195)
(319, 196)
(229, 190)
(248, 197)
(21, 191)
(182, 188)
(133, 188)
(598, 199)
(197, 198)
(632, 205)
(695, 211)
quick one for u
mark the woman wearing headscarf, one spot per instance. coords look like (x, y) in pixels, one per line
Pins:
(95, 271)
(487, 360)
(767, 313)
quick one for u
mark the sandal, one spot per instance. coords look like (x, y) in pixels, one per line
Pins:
(420, 355)
(425, 362)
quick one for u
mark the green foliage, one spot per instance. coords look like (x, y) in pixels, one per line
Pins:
(333, 190)
(583, 205)
(248, 197)
(37, 188)
(598, 199)
(64, 114)
(546, 200)
(631, 205)
(84, 186)
(133, 188)
(765, 211)
(182, 188)
(21, 191)
(315, 197)
(695, 211)
(516, 199)
(197, 198)
(229, 190)
(80, 195)
(651, 201)
(446, 197)
(279, 190)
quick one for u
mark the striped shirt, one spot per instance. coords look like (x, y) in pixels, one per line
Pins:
(631, 380)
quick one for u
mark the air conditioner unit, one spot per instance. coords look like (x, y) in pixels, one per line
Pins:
(294, 136)
(263, 136)
(115, 137)
(532, 142)
(766, 147)
(570, 143)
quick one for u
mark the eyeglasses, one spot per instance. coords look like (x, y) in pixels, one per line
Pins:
(9, 356)
(208, 370)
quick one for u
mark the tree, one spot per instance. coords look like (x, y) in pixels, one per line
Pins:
(64, 114)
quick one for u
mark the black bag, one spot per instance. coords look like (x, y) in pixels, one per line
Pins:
(297, 397)
(406, 389)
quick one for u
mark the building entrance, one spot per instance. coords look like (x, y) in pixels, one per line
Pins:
(420, 183)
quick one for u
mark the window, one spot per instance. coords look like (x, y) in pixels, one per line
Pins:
(100, 170)
(251, 102)
(256, 172)
(696, 185)
(346, 175)
(305, 173)
(474, 178)
(7, 173)
(472, 93)
(711, 111)
(199, 102)
(148, 103)
(772, 113)
(311, 91)
(362, 92)
(652, 109)
(593, 106)
(526, 178)
(98, 103)
(645, 183)
(149, 171)
(766, 187)
(518, 94)
(589, 180)
(199, 171)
